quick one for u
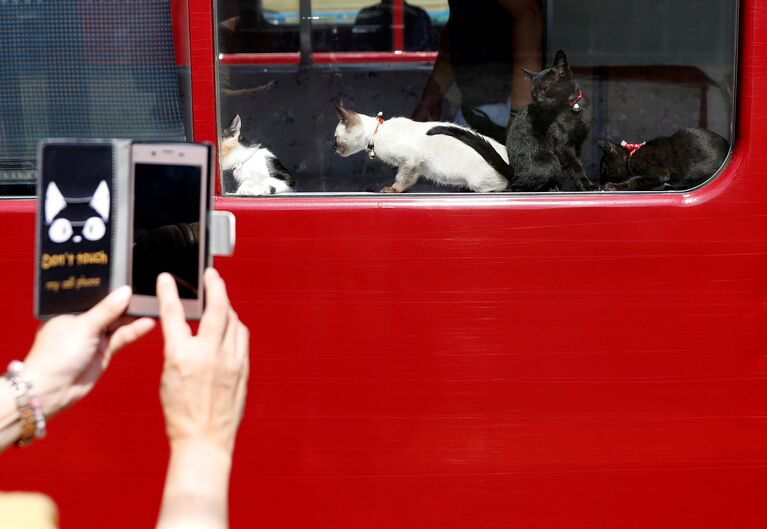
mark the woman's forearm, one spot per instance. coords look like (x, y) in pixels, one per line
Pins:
(527, 38)
(196, 486)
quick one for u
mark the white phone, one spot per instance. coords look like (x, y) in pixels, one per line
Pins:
(169, 223)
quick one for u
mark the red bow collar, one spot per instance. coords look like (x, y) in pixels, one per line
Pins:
(631, 148)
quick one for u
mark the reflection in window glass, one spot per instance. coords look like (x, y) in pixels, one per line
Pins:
(370, 26)
(643, 99)
(255, 26)
(103, 69)
(273, 26)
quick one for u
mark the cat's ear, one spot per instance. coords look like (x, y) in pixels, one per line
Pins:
(560, 63)
(531, 74)
(235, 125)
(560, 60)
(100, 201)
(54, 202)
(344, 114)
(609, 147)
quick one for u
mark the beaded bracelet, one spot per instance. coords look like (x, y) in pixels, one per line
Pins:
(29, 405)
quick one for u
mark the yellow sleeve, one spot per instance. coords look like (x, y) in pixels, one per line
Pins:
(28, 510)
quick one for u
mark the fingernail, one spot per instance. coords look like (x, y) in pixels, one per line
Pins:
(146, 324)
(122, 294)
(164, 278)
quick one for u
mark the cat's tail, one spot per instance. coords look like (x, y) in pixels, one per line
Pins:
(481, 122)
(279, 171)
(479, 143)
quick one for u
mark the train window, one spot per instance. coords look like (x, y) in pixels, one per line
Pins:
(263, 26)
(366, 27)
(89, 70)
(640, 98)
(274, 26)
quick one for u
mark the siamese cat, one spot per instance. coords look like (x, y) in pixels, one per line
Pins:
(404, 143)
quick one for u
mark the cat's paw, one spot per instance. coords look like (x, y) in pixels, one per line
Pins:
(389, 189)
(251, 189)
(589, 186)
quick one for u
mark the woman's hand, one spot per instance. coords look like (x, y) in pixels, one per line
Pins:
(203, 394)
(205, 376)
(70, 353)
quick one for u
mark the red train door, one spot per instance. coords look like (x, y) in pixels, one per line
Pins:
(453, 361)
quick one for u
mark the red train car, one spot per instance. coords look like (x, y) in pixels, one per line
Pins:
(454, 360)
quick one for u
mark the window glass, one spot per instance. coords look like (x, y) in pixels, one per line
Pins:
(255, 26)
(640, 99)
(271, 26)
(104, 69)
(373, 26)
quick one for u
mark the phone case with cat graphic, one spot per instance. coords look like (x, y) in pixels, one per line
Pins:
(85, 222)
(82, 223)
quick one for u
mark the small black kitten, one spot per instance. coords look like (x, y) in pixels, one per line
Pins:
(545, 138)
(680, 161)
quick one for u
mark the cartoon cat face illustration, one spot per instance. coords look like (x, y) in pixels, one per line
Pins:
(86, 215)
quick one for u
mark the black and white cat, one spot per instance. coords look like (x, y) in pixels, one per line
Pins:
(680, 161)
(76, 218)
(403, 143)
(255, 169)
(545, 138)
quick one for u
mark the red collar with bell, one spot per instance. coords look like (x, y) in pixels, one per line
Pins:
(575, 103)
(379, 122)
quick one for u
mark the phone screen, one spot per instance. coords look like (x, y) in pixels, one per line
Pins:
(166, 227)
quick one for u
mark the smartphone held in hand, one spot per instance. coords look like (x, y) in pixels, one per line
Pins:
(169, 226)
(116, 212)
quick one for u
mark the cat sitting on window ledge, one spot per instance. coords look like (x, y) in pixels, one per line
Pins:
(403, 143)
(256, 170)
(545, 138)
(683, 160)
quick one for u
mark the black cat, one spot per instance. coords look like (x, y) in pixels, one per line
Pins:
(680, 161)
(545, 138)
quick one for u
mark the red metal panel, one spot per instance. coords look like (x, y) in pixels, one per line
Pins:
(260, 58)
(203, 73)
(330, 57)
(398, 25)
(514, 361)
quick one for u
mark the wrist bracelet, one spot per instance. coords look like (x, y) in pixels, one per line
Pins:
(29, 405)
